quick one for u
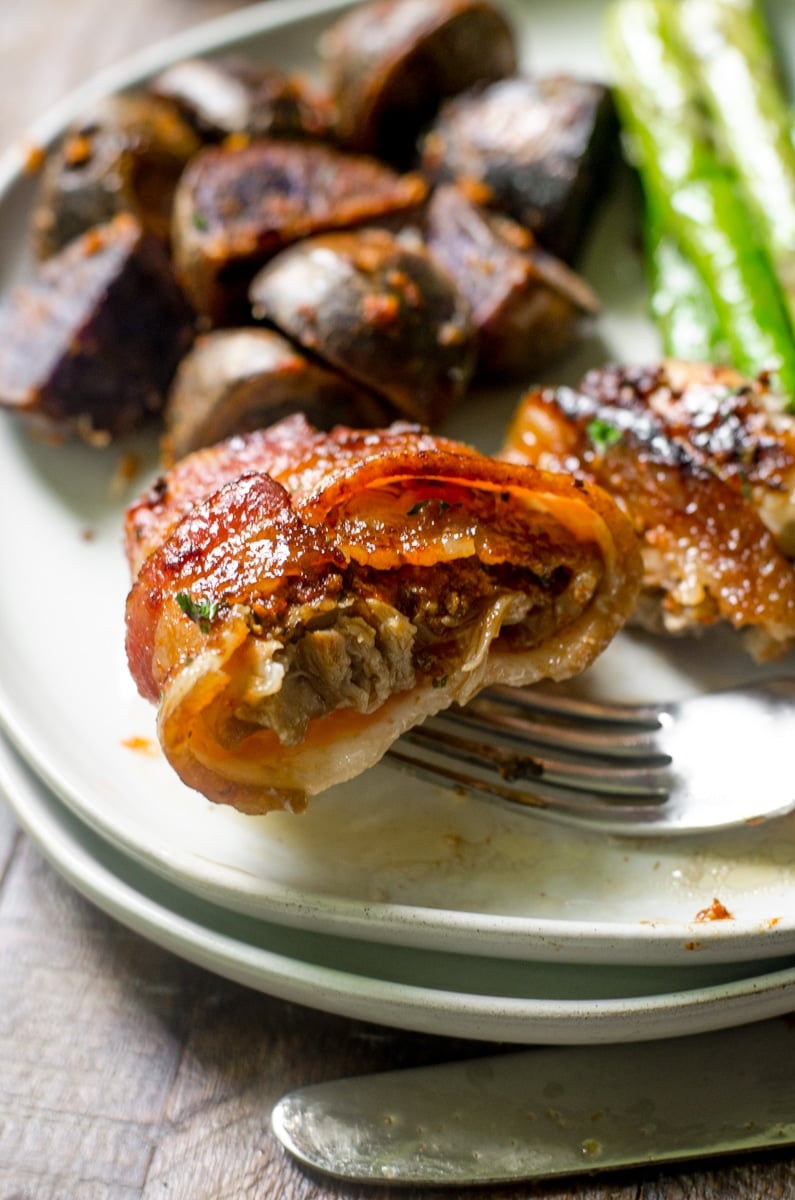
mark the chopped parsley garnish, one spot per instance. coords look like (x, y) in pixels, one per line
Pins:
(602, 435)
(203, 611)
(439, 681)
(745, 486)
(200, 221)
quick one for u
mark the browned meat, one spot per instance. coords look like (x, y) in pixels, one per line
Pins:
(235, 208)
(90, 345)
(541, 147)
(705, 466)
(236, 380)
(392, 63)
(125, 155)
(302, 599)
(377, 309)
(238, 95)
(527, 305)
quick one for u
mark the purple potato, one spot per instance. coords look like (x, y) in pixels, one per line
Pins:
(527, 305)
(378, 310)
(89, 347)
(542, 148)
(236, 380)
(392, 62)
(124, 155)
(236, 208)
(237, 95)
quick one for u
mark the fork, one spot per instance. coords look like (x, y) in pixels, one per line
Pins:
(708, 762)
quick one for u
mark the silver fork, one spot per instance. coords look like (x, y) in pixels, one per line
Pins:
(708, 762)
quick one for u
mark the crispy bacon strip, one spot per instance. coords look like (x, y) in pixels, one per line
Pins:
(703, 461)
(301, 599)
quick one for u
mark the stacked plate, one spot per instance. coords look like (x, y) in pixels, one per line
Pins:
(408, 906)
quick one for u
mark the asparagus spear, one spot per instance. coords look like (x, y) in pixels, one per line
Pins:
(696, 196)
(680, 302)
(736, 70)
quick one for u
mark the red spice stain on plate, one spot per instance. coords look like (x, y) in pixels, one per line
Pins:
(143, 745)
(715, 912)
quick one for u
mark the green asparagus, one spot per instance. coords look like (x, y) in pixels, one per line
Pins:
(679, 300)
(734, 62)
(692, 191)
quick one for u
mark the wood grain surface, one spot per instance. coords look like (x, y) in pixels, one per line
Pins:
(125, 1073)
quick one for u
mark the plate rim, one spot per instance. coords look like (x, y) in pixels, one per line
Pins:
(445, 928)
(499, 935)
(419, 1008)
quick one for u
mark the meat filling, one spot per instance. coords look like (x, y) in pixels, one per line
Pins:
(389, 631)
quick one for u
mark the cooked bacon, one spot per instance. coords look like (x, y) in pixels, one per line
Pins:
(703, 461)
(301, 599)
(290, 451)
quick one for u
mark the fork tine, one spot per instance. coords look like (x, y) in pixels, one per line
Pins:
(673, 769)
(557, 704)
(618, 777)
(578, 739)
(547, 799)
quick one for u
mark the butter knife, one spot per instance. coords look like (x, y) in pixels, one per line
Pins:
(550, 1111)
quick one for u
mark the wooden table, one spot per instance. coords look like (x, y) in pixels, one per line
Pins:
(125, 1072)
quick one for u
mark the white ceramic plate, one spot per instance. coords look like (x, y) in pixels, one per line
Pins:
(381, 858)
(449, 994)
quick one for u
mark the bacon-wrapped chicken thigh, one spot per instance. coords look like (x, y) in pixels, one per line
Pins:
(301, 598)
(703, 461)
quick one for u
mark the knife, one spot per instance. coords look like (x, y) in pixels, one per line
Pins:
(550, 1111)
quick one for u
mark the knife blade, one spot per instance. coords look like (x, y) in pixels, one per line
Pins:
(550, 1111)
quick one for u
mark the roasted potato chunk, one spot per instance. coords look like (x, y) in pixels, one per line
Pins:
(377, 309)
(90, 345)
(125, 155)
